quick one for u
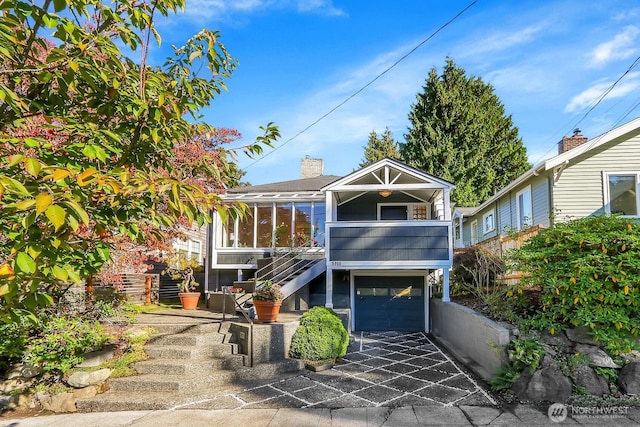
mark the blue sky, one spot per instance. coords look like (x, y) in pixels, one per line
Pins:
(299, 59)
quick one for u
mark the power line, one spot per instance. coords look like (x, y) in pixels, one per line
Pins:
(442, 27)
(597, 101)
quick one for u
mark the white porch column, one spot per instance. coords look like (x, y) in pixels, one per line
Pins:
(329, 288)
(447, 204)
(445, 285)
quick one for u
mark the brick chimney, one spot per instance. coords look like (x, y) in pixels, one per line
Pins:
(310, 168)
(569, 143)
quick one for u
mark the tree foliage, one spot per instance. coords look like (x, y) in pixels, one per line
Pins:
(378, 147)
(588, 271)
(459, 132)
(90, 138)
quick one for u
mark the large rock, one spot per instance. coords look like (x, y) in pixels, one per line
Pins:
(629, 378)
(65, 402)
(13, 385)
(596, 356)
(85, 379)
(26, 371)
(580, 335)
(586, 378)
(97, 358)
(557, 340)
(546, 384)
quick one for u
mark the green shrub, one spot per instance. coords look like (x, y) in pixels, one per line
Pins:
(320, 336)
(13, 341)
(525, 353)
(62, 342)
(588, 271)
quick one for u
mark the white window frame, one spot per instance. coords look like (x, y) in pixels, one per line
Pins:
(410, 207)
(474, 235)
(486, 215)
(522, 226)
(189, 244)
(607, 194)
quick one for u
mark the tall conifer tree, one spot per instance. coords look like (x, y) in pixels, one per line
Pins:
(460, 132)
(380, 146)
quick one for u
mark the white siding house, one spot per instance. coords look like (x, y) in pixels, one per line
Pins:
(587, 177)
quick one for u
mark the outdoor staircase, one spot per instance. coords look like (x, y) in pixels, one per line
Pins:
(292, 268)
(189, 361)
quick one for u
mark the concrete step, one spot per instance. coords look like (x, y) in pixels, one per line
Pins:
(196, 352)
(187, 328)
(172, 382)
(167, 391)
(188, 339)
(182, 366)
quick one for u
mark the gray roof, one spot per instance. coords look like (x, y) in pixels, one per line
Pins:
(296, 185)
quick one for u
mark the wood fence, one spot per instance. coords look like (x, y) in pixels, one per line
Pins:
(139, 288)
(502, 244)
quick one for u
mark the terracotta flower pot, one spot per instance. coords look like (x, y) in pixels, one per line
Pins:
(267, 311)
(189, 300)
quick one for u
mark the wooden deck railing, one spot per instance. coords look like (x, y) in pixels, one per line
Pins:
(502, 244)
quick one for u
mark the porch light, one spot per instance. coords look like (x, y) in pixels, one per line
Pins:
(385, 193)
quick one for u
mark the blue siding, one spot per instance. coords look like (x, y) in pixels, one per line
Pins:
(389, 243)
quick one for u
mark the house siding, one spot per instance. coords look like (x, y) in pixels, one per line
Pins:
(389, 243)
(540, 200)
(365, 207)
(506, 209)
(579, 191)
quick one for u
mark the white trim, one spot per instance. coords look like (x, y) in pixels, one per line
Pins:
(385, 164)
(607, 194)
(528, 223)
(410, 208)
(561, 159)
(189, 244)
(491, 213)
(475, 237)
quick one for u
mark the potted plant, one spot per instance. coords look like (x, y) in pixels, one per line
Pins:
(267, 300)
(183, 268)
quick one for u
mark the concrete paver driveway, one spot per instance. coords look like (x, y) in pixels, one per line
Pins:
(390, 369)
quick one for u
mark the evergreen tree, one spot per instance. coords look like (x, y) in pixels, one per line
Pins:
(459, 132)
(380, 147)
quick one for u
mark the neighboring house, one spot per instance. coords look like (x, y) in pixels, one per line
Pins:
(379, 237)
(587, 177)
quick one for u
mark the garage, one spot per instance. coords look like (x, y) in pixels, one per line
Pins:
(389, 303)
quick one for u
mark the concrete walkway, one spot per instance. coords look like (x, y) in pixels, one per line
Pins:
(386, 379)
(319, 417)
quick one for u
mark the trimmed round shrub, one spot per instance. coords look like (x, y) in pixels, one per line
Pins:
(320, 336)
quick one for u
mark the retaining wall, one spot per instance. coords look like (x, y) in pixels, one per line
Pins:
(474, 339)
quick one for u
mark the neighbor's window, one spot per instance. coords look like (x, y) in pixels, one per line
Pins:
(190, 248)
(488, 222)
(524, 208)
(474, 231)
(622, 194)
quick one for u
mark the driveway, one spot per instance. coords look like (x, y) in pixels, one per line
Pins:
(390, 369)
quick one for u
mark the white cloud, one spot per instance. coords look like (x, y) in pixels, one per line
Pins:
(207, 9)
(587, 97)
(503, 40)
(620, 47)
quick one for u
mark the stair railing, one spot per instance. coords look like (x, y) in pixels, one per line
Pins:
(246, 317)
(287, 262)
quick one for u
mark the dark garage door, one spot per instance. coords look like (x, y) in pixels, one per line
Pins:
(389, 303)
